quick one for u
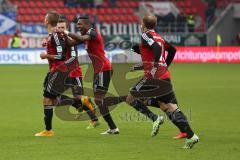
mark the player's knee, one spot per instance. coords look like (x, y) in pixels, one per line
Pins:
(130, 99)
(77, 97)
(49, 101)
(98, 101)
(169, 107)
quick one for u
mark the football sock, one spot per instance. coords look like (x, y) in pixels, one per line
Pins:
(180, 120)
(106, 115)
(48, 115)
(142, 108)
(110, 122)
(91, 115)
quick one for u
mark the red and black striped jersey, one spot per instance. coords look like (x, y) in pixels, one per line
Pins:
(96, 52)
(56, 46)
(73, 53)
(147, 54)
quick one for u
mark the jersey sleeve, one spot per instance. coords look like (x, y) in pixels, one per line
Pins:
(147, 39)
(60, 46)
(92, 33)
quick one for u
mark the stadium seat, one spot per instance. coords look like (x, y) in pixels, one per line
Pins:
(133, 4)
(39, 4)
(21, 11)
(73, 11)
(28, 18)
(60, 3)
(101, 18)
(116, 11)
(101, 11)
(28, 11)
(20, 18)
(107, 18)
(115, 18)
(180, 4)
(24, 4)
(80, 10)
(35, 18)
(122, 18)
(129, 11)
(32, 4)
(47, 4)
(109, 11)
(88, 11)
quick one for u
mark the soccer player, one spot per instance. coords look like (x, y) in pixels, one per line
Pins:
(156, 74)
(152, 101)
(59, 69)
(102, 67)
(74, 81)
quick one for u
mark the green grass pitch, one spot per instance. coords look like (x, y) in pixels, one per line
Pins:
(208, 93)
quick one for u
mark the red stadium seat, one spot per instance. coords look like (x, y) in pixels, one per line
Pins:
(188, 4)
(80, 10)
(136, 19)
(47, 4)
(28, 18)
(101, 11)
(133, 4)
(107, 18)
(87, 11)
(122, 18)
(35, 18)
(20, 18)
(24, 4)
(37, 11)
(116, 11)
(60, 3)
(101, 18)
(65, 11)
(193, 11)
(43, 11)
(39, 4)
(187, 10)
(125, 4)
(54, 4)
(31, 4)
(115, 18)
(180, 4)
(27, 11)
(129, 11)
(124, 11)
(109, 11)
(21, 11)
(73, 11)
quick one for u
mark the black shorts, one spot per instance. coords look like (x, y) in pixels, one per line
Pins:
(76, 85)
(154, 88)
(51, 85)
(102, 80)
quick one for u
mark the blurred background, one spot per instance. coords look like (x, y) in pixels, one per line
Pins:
(190, 23)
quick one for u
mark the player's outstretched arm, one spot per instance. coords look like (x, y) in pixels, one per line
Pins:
(77, 37)
(71, 42)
